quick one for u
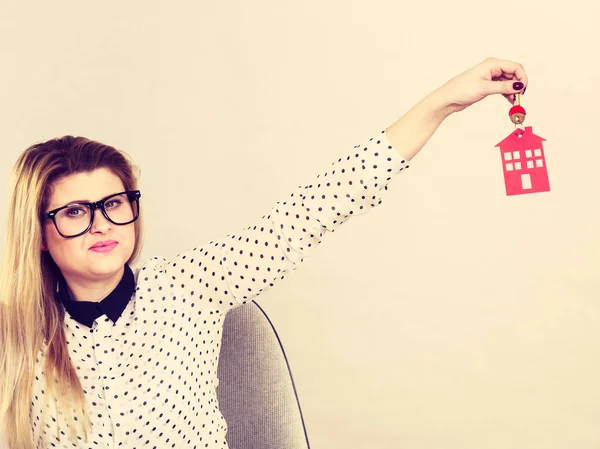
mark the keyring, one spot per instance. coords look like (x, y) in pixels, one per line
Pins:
(523, 157)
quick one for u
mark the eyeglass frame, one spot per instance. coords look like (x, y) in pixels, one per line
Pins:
(133, 195)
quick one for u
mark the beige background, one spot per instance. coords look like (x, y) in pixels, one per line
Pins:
(452, 317)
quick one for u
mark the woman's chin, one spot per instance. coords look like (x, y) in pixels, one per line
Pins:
(106, 264)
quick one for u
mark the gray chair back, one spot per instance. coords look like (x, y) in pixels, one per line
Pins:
(256, 391)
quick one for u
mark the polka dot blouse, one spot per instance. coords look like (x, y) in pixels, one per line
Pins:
(147, 354)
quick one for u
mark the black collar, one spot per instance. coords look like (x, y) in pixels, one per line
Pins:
(112, 306)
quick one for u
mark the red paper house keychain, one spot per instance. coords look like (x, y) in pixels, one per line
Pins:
(523, 160)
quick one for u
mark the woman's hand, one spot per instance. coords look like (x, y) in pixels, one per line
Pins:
(492, 76)
(411, 132)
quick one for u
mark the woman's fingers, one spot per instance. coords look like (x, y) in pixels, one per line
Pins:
(503, 68)
(492, 76)
(506, 72)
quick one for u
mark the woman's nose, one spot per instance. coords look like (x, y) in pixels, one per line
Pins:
(100, 222)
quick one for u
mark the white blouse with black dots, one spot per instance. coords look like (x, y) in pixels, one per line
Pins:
(150, 377)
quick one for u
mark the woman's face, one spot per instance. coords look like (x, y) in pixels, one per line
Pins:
(73, 255)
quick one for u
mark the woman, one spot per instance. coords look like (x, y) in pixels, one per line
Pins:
(95, 355)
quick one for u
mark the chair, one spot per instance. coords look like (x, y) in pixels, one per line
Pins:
(256, 391)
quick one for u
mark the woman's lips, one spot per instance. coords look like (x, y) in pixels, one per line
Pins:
(104, 249)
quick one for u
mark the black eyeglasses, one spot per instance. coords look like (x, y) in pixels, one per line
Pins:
(76, 219)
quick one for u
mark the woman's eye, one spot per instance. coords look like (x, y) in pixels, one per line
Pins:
(112, 204)
(75, 212)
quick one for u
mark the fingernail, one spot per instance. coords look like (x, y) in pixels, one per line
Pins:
(523, 93)
(518, 85)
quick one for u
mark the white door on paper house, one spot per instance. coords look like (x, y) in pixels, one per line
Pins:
(526, 181)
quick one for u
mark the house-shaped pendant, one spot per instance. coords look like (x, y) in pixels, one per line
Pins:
(524, 163)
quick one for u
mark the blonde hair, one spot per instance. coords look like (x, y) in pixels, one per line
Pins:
(31, 318)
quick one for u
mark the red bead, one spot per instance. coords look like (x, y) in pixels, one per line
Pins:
(517, 110)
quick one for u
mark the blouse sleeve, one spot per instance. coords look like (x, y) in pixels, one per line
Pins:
(235, 269)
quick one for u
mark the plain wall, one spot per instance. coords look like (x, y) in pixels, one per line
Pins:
(452, 316)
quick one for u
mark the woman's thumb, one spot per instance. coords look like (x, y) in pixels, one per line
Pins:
(506, 87)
